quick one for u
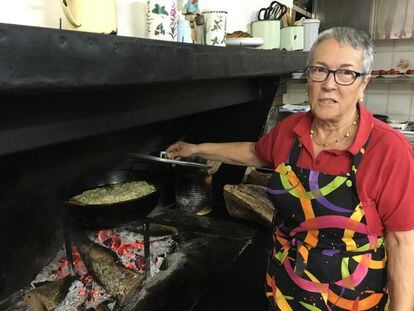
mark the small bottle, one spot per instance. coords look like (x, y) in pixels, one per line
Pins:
(184, 31)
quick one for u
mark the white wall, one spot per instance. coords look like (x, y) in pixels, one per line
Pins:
(240, 12)
(47, 13)
(393, 99)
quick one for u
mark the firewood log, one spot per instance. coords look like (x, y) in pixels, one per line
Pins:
(258, 178)
(47, 296)
(102, 307)
(118, 281)
(249, 202)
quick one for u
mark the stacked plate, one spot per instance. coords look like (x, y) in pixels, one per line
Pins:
(398, 125)
(246, 42)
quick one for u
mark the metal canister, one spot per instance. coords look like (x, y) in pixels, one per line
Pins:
(193, 190)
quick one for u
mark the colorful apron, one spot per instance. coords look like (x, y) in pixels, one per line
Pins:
(323, 256)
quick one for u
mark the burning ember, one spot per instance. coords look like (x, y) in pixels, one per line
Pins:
(129, 253)
(78, 264)
(95, 282)
(129, 246)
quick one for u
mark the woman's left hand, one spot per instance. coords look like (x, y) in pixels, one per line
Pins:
(181, 149)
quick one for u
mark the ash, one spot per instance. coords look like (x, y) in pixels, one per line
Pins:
(130, 248)
(81, 297)
(84, 293)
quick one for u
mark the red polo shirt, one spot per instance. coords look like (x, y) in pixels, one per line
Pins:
(385, 178)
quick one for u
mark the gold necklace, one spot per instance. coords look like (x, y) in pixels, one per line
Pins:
(347, 135)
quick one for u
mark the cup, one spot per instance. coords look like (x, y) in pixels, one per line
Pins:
(90, 15)
(269, 31)
(40, 13)
(162, 20)
(131, 18)
(310, 33)
(215, 27)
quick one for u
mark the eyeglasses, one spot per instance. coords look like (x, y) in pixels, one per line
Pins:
(341, 76)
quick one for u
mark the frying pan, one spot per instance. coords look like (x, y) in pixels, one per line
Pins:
(107, 215)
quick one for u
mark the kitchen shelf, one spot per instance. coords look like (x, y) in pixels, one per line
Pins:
(35, 58)
(402, 80)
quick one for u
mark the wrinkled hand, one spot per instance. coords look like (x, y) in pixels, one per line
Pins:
(181, 149)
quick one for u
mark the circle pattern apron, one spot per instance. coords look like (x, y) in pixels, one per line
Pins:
(323, 256)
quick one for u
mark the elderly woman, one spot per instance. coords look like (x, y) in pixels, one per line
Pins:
(343, 231)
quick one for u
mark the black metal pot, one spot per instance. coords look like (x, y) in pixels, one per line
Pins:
(107, 215)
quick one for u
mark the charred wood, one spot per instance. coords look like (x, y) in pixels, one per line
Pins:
(249, 202)
(258, 178)
(118, 281)
(47, 296)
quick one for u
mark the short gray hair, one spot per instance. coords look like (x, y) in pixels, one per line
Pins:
(357, 39)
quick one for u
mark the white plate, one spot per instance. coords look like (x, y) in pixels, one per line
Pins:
(410, 75)
(374, 76)
(392, 76)
(248, 42)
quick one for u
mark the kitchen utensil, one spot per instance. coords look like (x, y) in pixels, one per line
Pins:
(163, 159)
(288, 19)
(108, 215)
(90, 15)
(269, 31)
(274, 11)
(162, 20)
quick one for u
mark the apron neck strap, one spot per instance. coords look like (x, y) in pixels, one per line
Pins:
(294, 153)
(358, 157)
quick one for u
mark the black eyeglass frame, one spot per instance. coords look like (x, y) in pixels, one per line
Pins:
(357, 74)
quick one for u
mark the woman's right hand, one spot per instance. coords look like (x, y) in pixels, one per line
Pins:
(181, 149)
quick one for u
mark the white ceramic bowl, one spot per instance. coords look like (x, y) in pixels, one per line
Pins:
(398, 125)
(297, 75)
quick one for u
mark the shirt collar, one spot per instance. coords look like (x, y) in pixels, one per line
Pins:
(302, 129)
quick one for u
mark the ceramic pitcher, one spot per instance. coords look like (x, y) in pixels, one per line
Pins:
(42, 13)
(90, 15)
(215, 27)
(162, 19)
